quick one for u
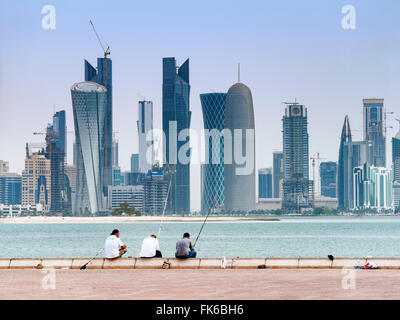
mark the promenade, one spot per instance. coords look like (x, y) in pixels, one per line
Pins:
(198, 284)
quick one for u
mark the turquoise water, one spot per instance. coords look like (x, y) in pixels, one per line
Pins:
(290, 237)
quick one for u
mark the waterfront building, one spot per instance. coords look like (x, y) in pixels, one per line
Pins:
(4, 167)
(277, 173)
(103, 76)
(375, 129)
(297, 188)
(265, 183)
(145, 134)
(396, 156)
(239, 115)
(328, 175)
(342, 179)
(135, 162)
(212, 171)
(132, 195)
(10, 188)
(396, 196)
(115, 153)
(176, 111)
(156, 183)
(355, 154)
(36, 180)
(372, 187)
(116, 176)
(89, 103)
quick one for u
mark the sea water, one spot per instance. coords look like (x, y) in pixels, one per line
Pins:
(290, 237)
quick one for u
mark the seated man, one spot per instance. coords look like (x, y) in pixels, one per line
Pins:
(114, 248)
(184, 248)
(150, 248)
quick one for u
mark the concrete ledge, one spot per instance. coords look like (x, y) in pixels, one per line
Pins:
(149, 263)
(21, 263)
(57, 263)
(202, 263)
(94, 264)
(282, 263)
(5, 263)
(126, 263)
(249, 263)
(315, 263)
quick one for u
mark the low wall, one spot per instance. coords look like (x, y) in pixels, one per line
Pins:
(201, 263)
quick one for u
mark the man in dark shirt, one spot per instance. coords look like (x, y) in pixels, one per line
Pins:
(184, 248)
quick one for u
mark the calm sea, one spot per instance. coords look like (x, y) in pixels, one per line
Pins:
(290, 237)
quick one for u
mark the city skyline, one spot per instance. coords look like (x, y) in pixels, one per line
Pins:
(266, 82)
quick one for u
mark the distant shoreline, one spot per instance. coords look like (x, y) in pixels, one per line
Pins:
(149, 219)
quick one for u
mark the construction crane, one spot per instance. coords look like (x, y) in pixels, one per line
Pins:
(106, 53)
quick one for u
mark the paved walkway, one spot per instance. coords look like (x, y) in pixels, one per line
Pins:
(199, 284)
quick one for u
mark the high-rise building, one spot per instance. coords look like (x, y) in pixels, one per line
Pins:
(116, 177)
(277, 172)
(342, 180)
(4, 167)
(10, 188)
(89, 103)
(375, 129)
(103, 76)
(396, 156)
(36, 180)
(115, 153)
(212, 172)
(135, 162)
(396, 196)
(56, 153)
(176, 117)
(328, 175)
(265, 183)
(239, 117)
(145, 134)
(132, 195)
(372, 187)
(297, 188)
(156, 184)
(355, 154)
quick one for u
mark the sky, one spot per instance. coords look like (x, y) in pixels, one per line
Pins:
(287, 49)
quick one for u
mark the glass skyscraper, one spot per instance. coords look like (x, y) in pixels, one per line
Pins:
(277, 172)
(135, 163)
(89, 103)
(103, 77)
(328, 175)
(265, 183)
(212, 172)
(176, 110)
(341, 178)
(10, 189)
(297, 188)
(374, 129)
(396, 156)
(145, 128)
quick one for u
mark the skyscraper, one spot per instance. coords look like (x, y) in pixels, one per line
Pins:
(374, 129)
(297, 188)
(135, 162)
(115, 153)
(355, 154)
(277, 172)
(36, 180)
(89, 103)
(145, 134)
(341, 178)
(372, 187)
(10, 188)
(212, 172)
(328, 173)
(176, 117)
(396, 156)
(239, 116)
(265, 183)
(56, 152)
(103, 76)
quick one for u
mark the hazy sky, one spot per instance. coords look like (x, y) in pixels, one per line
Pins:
(287, 50)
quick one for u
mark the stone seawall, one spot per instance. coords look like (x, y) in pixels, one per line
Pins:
(200, 263)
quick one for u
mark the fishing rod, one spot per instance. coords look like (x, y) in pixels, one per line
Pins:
(209, 211)
(84, 266)
(165, 203)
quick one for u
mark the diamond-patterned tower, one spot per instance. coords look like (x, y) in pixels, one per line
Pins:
(212, 172)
